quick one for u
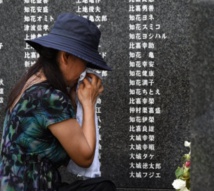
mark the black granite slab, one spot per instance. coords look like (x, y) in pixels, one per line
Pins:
(183, 73)
(202, 97)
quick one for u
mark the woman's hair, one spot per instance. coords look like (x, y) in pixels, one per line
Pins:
(48, 62)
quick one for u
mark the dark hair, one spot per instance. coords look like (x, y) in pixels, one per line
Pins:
(48, 61)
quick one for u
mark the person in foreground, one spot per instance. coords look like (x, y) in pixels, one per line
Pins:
(40, 132)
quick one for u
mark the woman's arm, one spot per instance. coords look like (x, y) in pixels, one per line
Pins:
(78, 142)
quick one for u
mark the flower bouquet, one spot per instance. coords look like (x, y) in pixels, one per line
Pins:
(182, 181)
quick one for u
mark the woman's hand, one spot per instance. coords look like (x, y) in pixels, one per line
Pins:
(89, 90)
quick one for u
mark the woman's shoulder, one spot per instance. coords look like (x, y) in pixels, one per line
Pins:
(44, 95)
(44, 90)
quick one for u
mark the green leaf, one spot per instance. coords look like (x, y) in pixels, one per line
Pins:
(179, 172)
(185, 158)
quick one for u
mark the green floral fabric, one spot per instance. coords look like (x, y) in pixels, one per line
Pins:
(30, 154)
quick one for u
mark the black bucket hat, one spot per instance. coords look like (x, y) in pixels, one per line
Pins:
(75, 35)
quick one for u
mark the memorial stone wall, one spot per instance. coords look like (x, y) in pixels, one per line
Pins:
(145, 111)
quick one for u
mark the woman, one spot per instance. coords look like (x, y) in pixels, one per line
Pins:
(40, 131)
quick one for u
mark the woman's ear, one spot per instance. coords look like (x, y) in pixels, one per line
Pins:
(63, 57)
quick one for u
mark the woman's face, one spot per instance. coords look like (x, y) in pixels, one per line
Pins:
(71, 68)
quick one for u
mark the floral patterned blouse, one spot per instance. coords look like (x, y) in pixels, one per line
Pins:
(30, 154)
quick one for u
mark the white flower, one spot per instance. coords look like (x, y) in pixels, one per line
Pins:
(187, 144)
(179, 184)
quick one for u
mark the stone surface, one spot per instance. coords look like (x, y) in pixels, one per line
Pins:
(183, 73)
(202, 97)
